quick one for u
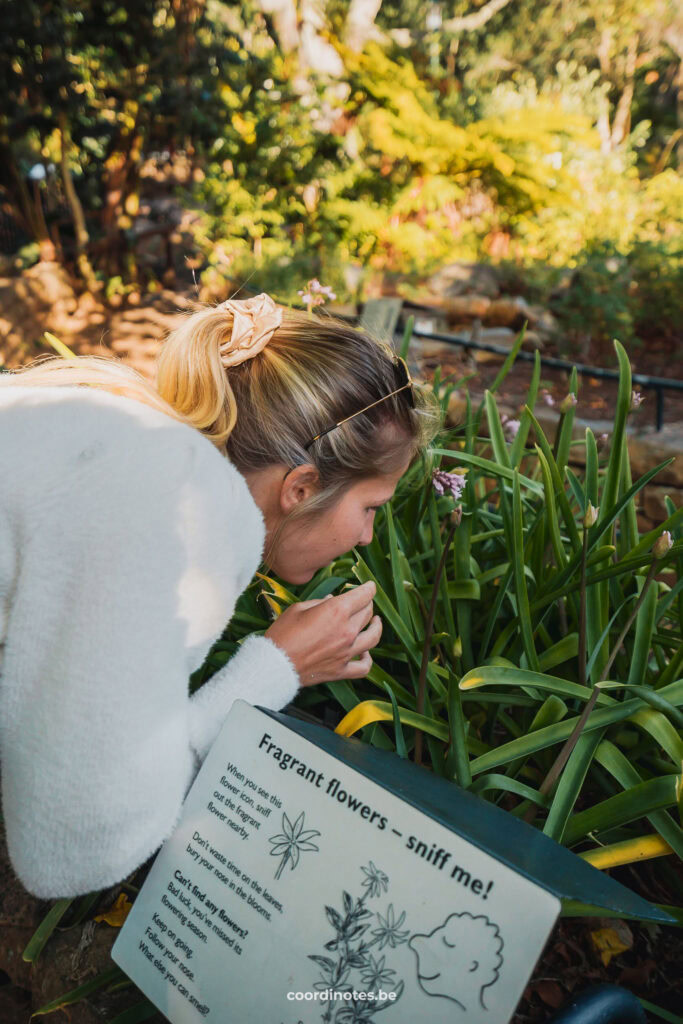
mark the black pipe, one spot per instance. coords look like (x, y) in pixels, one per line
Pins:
(560, 364)
(602, 1004)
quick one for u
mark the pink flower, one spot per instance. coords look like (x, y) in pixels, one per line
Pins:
(636, 399)
(451, 482)
(315, 293)
(547, 397)
(511, 428)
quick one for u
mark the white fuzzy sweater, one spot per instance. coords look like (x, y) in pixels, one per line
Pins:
(125, 540)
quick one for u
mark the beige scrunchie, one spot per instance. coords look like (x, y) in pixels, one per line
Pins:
(254, 323)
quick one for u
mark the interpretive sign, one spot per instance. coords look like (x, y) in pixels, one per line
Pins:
(297, 889)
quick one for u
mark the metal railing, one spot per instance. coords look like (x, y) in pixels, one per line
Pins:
(658, 384)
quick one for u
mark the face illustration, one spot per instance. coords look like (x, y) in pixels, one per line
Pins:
(304, 547)
(459, 959)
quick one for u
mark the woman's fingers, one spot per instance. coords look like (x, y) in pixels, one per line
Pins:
(362, 618)
(357, 669)
(368, 638)
(352, 601)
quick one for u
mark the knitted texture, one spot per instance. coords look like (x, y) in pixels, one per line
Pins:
(125, 540)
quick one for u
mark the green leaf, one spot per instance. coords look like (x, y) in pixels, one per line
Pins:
(611, 486)
(570, 783)
(76, 994)
(645, 622)
(658, 1011)
(44, 930)
(563, 650)
(618, 765)
(496, 431)
(407, 337)
(401, 749)
(136, 1014)
(637, 802)
(520, 440)
(559, 732)
(493, 675)
(651, 697)
(457, 760)
(519, 577)
(504, 783)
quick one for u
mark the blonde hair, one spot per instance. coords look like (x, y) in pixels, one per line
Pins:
(311, 374)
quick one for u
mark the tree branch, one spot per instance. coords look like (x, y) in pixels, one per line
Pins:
(472, 22)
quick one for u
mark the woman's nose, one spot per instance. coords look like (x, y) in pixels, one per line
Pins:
(366, 536)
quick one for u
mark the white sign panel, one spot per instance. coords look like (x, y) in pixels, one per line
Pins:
(295, 890)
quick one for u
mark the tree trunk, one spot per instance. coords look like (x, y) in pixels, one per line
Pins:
(120, 180)
(81, 231)
(471, 22)
(360, 22)
(27, 209)
(621, 123)
(285, 22)
(315, 52)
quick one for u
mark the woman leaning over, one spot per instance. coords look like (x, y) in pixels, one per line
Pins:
(131, 518)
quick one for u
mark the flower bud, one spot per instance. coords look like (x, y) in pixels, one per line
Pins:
(568, 402)
(456, 515)
(591, 516)
(636, 400)
(662, 544)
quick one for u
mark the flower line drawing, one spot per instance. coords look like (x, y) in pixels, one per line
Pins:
(388, 933)
(291, 842)
(375, 880)
(350, 949)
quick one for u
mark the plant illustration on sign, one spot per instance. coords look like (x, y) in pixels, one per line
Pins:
(351, 950)
(291, 842)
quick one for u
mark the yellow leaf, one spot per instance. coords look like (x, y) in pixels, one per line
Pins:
(280, 592)
(628, 851)
(275, 608)
(60, 347)
(365, 713)
(117, 913)
(609, 942)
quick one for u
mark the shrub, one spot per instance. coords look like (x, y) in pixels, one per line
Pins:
(553, 620)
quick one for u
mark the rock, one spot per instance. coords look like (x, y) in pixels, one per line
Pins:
(49, 285)
(87, 304)
(652, 504)
(465, 307)
(456, 411)
(543, 322)
(503, 337)
(532, 340)
(649, 449)
(507, 312)
(463, 278)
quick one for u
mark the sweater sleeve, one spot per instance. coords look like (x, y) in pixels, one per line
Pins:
(129, 570)
(260, 672)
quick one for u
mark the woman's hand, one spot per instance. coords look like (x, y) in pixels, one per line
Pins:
(328, 639)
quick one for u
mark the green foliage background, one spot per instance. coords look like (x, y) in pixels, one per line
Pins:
(549, 137)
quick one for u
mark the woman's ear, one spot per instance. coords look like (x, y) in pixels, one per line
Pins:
(298, 486)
